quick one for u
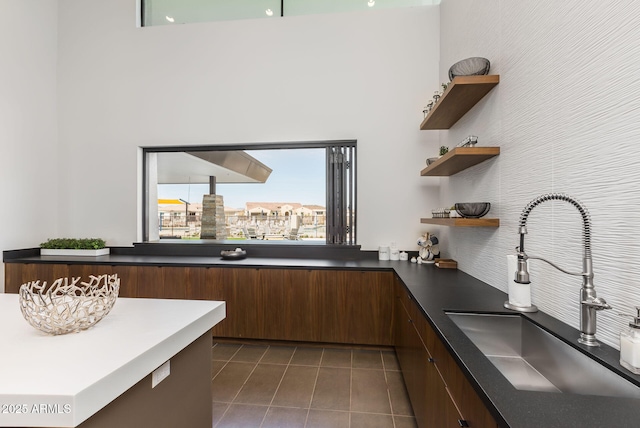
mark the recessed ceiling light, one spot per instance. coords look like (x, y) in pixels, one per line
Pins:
(169, 18)
(269, 12)
(371, 3)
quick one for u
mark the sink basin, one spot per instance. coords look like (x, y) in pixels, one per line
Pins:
(534, 360)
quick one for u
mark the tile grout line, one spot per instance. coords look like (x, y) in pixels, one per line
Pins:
(279, 383)
(243, 384)
(350, 388)
(220, 371)
(226, 362)
(315, 383)
(386, 381)
(259, 360)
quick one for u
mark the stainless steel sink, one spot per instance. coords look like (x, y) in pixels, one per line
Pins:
(534, 360)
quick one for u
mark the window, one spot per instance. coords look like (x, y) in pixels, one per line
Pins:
(168, 12)
(277, 192)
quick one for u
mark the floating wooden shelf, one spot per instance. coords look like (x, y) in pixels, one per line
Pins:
(459, 159)
(463, 222)
(461, 94)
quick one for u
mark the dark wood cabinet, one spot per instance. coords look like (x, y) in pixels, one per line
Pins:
(440, 394)
(332, 306)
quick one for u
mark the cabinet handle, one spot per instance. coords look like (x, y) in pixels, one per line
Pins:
(431, 360)
(462, 423)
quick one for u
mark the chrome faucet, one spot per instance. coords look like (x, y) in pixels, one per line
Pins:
(589, 302)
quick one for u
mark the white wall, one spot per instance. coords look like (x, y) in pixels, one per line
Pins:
(566, 117)
(28, 124)
(361, 75)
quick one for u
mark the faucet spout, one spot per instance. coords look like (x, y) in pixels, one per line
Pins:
(589, 302)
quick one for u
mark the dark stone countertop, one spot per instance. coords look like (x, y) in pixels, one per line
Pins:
(436, 291)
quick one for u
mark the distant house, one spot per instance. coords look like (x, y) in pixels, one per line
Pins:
(311, 210)
(283, 209)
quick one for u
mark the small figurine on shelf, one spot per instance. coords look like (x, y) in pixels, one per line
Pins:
(444, 86)
(429, 249)
(444, 150)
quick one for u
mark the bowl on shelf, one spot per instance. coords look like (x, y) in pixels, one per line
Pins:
(68, 305)
(473, 66)
(472, 209)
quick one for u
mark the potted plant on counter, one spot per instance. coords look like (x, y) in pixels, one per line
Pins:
(74, 247)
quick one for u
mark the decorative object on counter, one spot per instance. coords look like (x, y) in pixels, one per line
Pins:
(74, 247)
(470, 141)
(630, 344)
(444, 150)
(472, 209)
(237, 254)
(470, 67)
(446, 264)
(440, 213)
(404, 256)
(429, 249)
(383, 253)
(68, 305)
(589, 302)
(519, 294)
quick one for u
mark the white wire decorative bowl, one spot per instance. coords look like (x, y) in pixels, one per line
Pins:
(68, 305)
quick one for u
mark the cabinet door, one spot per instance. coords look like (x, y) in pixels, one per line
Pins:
(469, 403)
(17, 274)
(442, 401)
(150, 282)
(128, 279)
(368, 307)
(241, 290)
(413, 360)
(299, 308)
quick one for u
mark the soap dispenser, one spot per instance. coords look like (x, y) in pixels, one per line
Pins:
(630, 345)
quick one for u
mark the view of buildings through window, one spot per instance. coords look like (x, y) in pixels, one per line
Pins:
(289, 205)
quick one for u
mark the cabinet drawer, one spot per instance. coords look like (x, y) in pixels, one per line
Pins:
(467, 400)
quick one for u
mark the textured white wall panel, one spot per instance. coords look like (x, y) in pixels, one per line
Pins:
(567, 118)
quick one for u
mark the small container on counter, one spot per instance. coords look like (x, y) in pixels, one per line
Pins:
(630, 345)
(383, 253)
(394, 253)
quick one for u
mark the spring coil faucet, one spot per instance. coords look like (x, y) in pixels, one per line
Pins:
(589, 302)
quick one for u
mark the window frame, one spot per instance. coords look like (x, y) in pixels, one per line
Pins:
(342, 233)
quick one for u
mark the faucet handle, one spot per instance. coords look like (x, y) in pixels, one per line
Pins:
(598, 303)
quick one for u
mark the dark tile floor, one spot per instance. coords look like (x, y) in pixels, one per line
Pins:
(287, 386)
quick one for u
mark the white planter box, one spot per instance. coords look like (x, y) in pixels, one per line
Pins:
(64, 252)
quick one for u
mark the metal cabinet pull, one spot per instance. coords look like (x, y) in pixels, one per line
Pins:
(462, 423)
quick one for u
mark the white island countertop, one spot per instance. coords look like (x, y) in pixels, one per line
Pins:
(63, 380)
